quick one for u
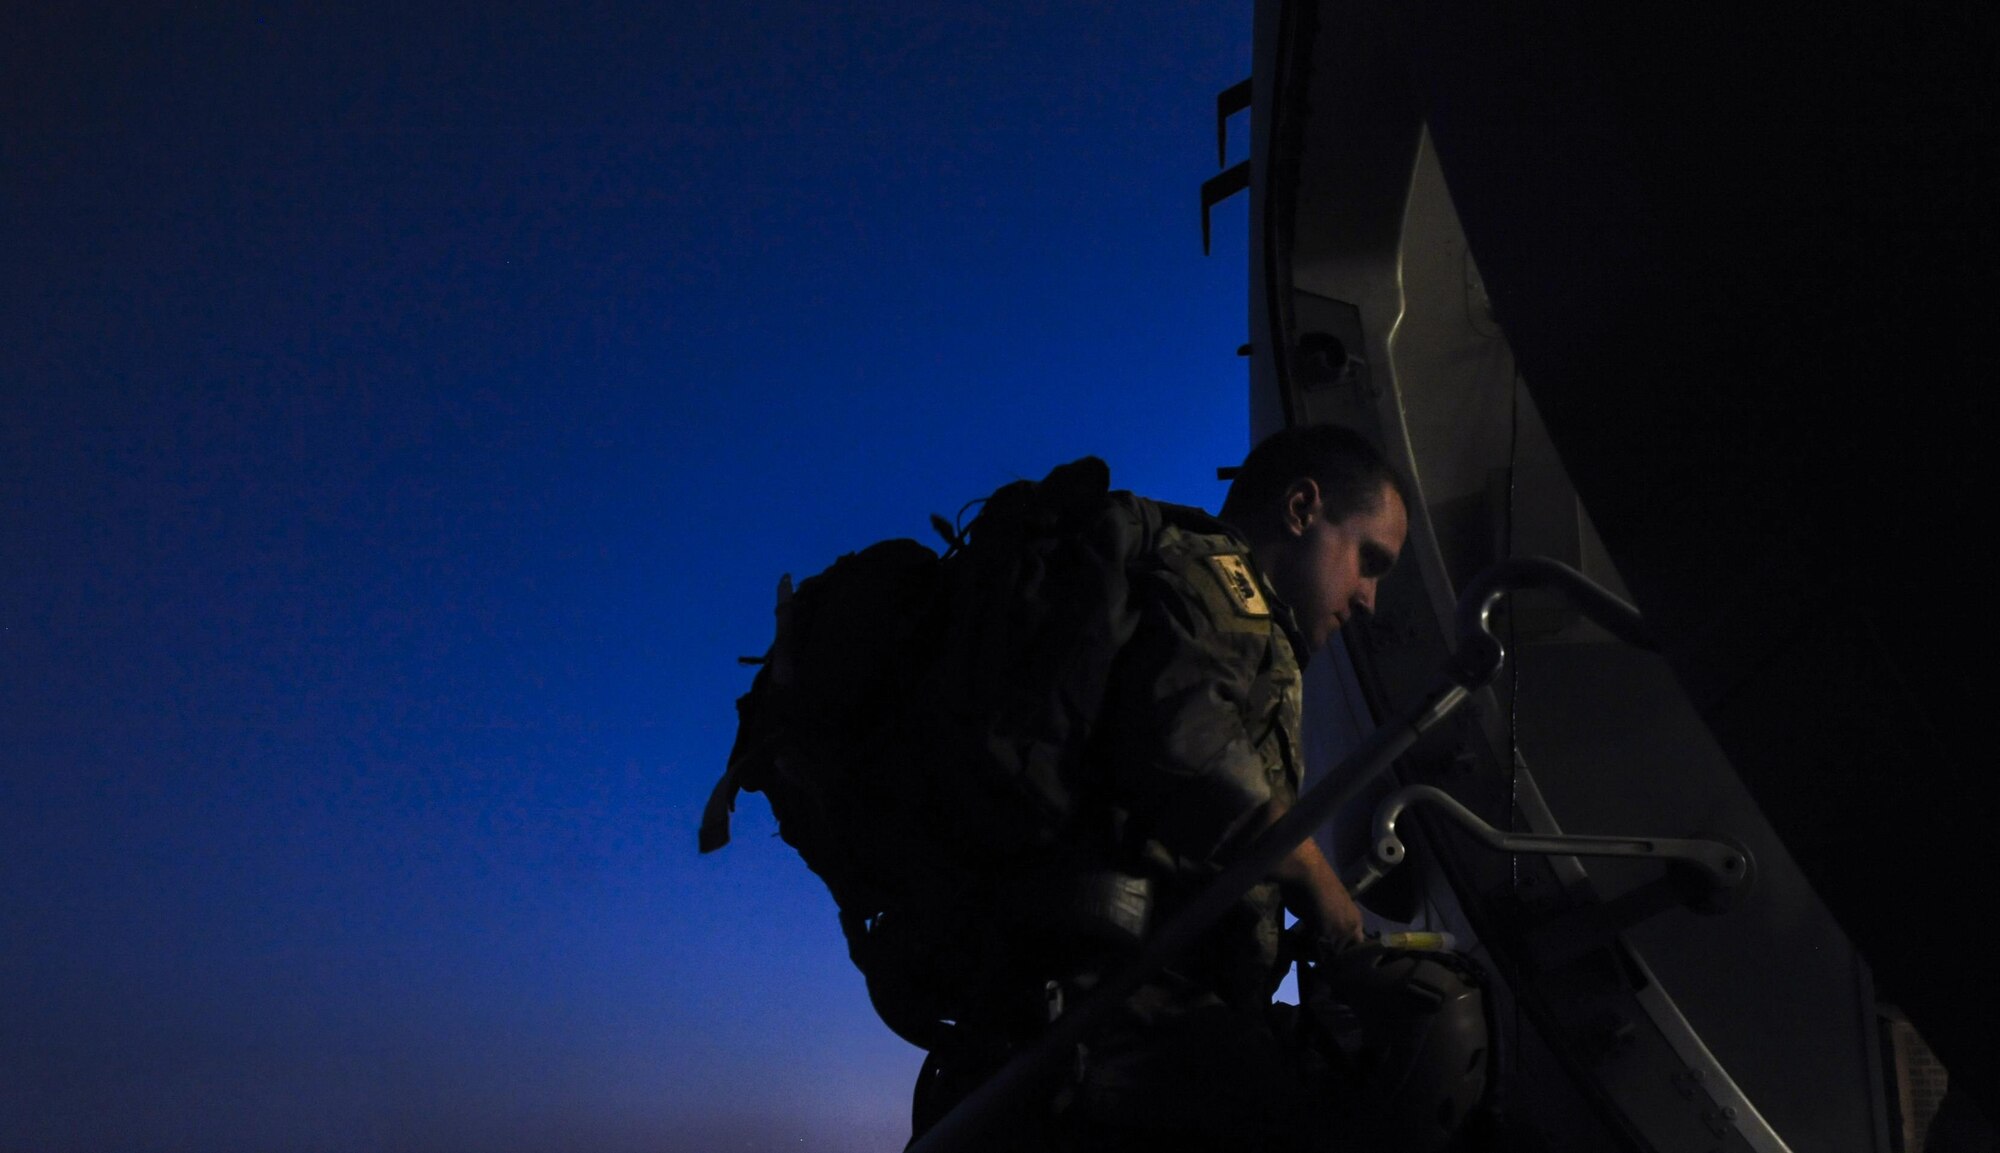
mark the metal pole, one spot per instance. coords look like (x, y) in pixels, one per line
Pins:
(1275, 843)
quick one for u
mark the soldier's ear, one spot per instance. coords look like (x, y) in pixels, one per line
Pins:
(1301, 505)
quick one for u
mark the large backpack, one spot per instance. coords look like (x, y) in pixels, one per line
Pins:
(919, 726)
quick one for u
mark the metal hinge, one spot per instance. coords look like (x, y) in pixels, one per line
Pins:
(1229, 181)
(1228, 102)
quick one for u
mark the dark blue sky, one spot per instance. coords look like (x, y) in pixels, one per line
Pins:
(404, 419)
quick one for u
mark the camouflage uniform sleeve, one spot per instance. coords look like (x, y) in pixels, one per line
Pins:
(1201, 701)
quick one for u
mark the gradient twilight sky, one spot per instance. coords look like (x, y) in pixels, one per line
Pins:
(405, 414)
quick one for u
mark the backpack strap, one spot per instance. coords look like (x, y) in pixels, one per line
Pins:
(755, 744)
(744, 765)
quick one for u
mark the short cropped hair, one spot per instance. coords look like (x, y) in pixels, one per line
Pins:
(1349, 471)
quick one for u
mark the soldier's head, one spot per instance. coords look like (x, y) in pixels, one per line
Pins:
(1325, 516)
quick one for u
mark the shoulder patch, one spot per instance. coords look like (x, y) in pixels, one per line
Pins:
(1234, 574)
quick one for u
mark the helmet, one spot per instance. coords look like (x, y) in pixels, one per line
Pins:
(1410, 1026)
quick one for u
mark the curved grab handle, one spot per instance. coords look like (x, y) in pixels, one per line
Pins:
(1721, 866)
(1480, 653)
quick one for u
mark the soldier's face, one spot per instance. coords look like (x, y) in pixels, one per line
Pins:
(1327, 570)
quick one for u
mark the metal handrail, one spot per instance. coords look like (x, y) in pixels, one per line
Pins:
(1720, 866)
(1476, 662)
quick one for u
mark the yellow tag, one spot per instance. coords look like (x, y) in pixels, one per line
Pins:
(1235, 577)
